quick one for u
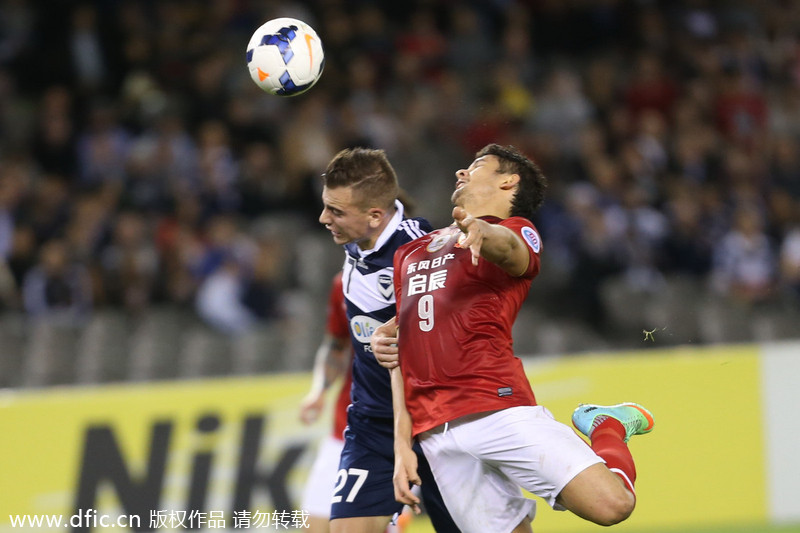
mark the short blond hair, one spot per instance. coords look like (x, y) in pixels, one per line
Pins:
(369, 174)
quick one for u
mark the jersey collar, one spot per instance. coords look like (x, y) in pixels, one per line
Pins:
(387, 232)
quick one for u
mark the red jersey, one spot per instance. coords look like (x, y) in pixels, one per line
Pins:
(338, 327)
(455, 320)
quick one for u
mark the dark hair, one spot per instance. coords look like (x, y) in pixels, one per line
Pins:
(532, 182)
(369, 174)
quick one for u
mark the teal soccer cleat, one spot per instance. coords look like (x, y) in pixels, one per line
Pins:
(634, 418)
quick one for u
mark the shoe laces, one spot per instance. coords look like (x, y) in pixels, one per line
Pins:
(631, 425)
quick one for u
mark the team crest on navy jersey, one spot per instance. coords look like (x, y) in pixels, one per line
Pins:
(386, 286)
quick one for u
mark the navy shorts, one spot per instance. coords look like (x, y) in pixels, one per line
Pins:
(364, 483)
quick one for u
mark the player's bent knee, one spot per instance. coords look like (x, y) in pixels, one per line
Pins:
(360, 524)
(598, 496)
(614, 510)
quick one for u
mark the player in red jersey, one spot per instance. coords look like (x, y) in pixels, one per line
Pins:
(465, 396)
(332, 361)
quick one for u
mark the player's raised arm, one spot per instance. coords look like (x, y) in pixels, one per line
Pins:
(384, 344)
(493, 242)
(405, 460)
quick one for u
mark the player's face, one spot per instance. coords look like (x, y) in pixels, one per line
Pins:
(346, 220)
(478, 181)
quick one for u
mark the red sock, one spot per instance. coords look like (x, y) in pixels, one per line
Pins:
(608, 442)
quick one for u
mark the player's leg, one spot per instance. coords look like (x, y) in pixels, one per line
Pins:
(363, 495)
(598, 495)
(523, 527)
(318, 524)
(478, 496)
(432, 500)
(605, 494)
(360, 524)
(531, 450)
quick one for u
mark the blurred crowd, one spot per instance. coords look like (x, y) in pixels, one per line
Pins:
(140, 165)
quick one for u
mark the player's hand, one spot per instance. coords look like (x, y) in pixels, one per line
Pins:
(405, 474)
(473, 228)
(384, 345)
(311, 407)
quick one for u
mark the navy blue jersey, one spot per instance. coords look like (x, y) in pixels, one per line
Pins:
(368, 283)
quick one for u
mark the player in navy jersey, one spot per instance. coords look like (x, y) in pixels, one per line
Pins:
(361, 210)
(333, 360)
(460, 390)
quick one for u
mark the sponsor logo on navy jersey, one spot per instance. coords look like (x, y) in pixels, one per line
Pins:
(363, 327)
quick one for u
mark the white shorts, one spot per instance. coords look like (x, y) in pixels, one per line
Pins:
(480, 462)
(322, 477)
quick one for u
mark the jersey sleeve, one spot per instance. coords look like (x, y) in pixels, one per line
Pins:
(527, 232)
(336, 323)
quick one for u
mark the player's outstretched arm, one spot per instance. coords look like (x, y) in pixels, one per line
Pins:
(405, 460)
(330, 363)
(493, 242)
(384, 344)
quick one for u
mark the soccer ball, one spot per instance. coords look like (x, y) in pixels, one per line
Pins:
(285, 57)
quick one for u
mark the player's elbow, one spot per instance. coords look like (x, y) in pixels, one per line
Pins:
(515, 264)
(515, 257)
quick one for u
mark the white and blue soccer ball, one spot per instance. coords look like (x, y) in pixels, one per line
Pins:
(285, 57)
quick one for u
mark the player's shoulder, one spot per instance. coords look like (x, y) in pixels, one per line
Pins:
(420, 242)
(413, 228)
(525, 228)
(511, 221)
